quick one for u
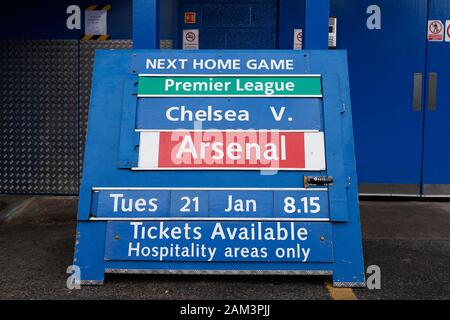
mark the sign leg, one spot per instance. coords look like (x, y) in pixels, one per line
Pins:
(89, 252)
(348, 258)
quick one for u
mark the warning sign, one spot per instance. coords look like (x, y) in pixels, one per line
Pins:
(435, 30)
(447, 31)
(190, 39)
(298, 39)
(190, 17)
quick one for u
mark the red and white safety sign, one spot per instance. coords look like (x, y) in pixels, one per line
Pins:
(447, 31)
(435, 30)
(233, 150)
(190, 39)
(298, 39)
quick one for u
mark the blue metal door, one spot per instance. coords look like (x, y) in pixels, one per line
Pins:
(436, 156)
(386, 42)
(231, 24)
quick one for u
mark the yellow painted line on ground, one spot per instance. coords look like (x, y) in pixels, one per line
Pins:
(340, 293)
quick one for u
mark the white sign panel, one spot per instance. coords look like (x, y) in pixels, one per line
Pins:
(447, 31)
(332, 33)
(435, 30)
(95, 22)
(190, 39)
(298, 39)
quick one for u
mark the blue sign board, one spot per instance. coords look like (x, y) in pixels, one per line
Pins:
(244, 62)
(229, 113)
(181, 175)
(286, 204)
(290, 242)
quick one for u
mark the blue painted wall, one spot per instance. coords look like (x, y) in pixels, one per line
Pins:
(232, 24)
(168, 22)
(291, 16)
(47, 19)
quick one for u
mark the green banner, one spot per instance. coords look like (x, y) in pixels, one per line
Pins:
(285, 86)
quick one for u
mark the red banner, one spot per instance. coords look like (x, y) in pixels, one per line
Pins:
(244, 150)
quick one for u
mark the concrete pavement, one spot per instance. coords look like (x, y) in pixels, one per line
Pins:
(410, 241)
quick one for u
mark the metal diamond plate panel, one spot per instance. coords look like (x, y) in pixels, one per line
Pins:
(38, 112)
(87, 50)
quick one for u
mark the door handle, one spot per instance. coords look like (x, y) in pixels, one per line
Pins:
(417, 94)
(432, 91)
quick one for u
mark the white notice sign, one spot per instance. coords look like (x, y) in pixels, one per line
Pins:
(190, 39)
(95, 22)
(298, 39)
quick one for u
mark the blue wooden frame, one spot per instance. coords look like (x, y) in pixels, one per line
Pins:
(110, 131)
